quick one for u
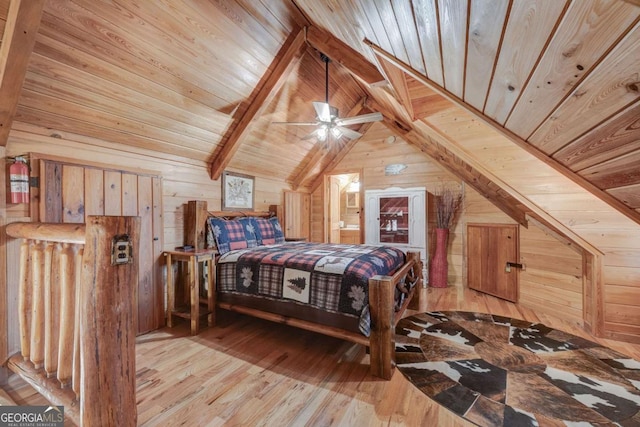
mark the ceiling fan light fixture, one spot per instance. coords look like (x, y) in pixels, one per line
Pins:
(336, 133)
(322, 133)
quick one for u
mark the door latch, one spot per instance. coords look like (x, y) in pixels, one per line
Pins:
(507, 268)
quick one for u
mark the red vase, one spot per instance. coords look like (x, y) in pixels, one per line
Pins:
(439, 267)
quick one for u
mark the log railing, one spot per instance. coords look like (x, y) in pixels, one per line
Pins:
(76, 317)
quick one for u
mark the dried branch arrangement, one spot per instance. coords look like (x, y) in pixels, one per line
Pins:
(448, 204)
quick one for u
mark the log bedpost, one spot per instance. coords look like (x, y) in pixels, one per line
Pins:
(107, 325)
(381, 342)
(383, 314)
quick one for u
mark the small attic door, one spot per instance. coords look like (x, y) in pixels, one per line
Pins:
(491, 248)
(69, 192)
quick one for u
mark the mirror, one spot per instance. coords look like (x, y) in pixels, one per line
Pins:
(353, 200)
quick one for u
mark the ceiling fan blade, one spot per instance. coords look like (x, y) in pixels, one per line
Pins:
(296, 123)
(324, 111)
(349, 133)
(311, 135)
(364, 118)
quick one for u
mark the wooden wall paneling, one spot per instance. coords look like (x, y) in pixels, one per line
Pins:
(404, 19)
(50, 191)
(586, 32)
(158, 244)
(554, 275)
(426, 17)
(111, 98)
(485, 30)
(129, 196)
(74, 47)
(453, 33)
(112, 192)
(616, 137)
(73, 194)
(528, 26)
(378, 31)
(18, 38)
(629, 194)
(609, 88)
(620, 172)
(117, 21)
(93, 192)
(147, 286)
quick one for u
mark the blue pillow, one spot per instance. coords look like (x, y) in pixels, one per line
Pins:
(277, 228)
(265, 233)
(233, 234)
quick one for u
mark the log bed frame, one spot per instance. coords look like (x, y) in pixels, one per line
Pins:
(381, 296)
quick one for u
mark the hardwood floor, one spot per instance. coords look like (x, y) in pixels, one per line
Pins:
(252, 372)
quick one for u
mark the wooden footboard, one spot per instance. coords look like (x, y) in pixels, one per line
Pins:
(76, 318)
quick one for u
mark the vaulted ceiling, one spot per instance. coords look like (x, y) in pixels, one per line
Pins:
(205, 79)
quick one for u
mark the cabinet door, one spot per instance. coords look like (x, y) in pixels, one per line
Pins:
(297, 207)
(393, 225)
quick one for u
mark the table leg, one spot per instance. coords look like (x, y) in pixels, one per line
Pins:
(171, 291)
(211, 293)
(195, 297)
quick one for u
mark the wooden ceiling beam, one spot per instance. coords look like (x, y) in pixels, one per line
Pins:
(343, 54)
(581, 181)
(282, 66)
(19, 37)
(398, 81)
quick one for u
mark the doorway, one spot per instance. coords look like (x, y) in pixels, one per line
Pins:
(343, 218)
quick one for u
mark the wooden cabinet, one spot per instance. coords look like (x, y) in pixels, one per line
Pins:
(397, 217)
(296, 215)
(350, 237)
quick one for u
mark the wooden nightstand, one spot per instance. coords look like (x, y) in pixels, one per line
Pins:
(193, 258)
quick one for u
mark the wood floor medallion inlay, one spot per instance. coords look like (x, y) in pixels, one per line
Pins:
(499, 371)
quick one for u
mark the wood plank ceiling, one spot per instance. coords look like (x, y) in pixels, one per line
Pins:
(204, 80)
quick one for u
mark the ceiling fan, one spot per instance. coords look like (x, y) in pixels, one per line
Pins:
(329, 124)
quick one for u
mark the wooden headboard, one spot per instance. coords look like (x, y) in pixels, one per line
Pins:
(195, 219)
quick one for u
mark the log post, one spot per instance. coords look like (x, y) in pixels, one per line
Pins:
(37, 306)
(381, 342)
(67, 312)
(24, 299)
(107, 326)
(77, 265)
(194, 224)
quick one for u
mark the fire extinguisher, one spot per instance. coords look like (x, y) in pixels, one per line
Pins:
(19, 179)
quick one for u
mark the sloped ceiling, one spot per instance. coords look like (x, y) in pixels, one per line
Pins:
(204, 80)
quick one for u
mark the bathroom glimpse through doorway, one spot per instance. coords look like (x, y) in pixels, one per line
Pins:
(343, 212)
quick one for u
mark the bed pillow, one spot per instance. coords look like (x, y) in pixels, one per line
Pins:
(233, 234)
(265, 233)
(277, 228)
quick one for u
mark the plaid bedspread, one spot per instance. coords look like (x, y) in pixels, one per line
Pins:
(331, 277)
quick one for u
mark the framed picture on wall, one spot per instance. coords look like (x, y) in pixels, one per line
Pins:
(237, 191)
